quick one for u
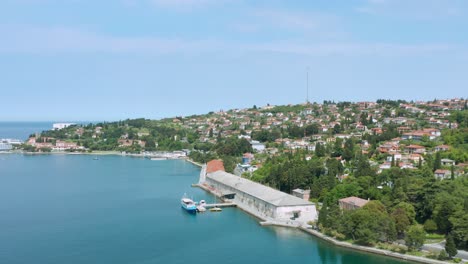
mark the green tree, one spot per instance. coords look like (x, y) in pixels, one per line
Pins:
(437, 161)
(363, 167)
(450, 246)
(348, 150)
(337, 129)
(430, 226)
(319, 150)
(452, 174)
(445, 207)
(443, 255)
(360, 225)
(414, 238)
(459, 222)
(312, 129)
(369, 224)
(401, 220)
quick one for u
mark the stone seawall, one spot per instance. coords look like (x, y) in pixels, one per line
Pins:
(371, 249)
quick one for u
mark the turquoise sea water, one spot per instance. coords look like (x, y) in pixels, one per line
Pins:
(73, 209)
(22, 130)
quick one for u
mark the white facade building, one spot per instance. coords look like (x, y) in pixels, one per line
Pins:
(5, 146)
(256, 145)
(58, 126)
(11, 141)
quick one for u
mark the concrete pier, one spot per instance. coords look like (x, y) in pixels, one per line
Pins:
(220, 205)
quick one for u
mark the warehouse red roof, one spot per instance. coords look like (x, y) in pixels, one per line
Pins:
(214, 165)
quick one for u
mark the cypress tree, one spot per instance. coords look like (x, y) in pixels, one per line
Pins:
(437, 161)
(450, 246)
(323, 215)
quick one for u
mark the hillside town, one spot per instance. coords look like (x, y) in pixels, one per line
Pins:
(389, 174)
(271, 130)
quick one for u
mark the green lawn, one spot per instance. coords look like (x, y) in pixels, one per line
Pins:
(434, 238)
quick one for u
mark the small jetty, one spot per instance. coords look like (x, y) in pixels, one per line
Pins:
(219, 205)
(202, 206)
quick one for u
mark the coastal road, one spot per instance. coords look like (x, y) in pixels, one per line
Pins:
(437, 247)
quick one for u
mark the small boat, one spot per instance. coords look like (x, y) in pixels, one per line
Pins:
(201, 206)
(188, 204)
(95, 158)
(216, 209)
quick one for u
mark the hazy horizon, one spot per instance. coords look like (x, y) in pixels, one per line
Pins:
(189, 114)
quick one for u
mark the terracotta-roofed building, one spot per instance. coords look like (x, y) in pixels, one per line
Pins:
(377, 130)
(442, 148)
(415, 157)
(214, 165)
(351, 203)
(415, 149)
(403, 129)
(442, 174)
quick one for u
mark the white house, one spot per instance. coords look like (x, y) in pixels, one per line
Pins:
(256, 145)
(58, 126)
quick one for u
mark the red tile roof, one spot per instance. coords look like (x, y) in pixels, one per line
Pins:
(214, 165)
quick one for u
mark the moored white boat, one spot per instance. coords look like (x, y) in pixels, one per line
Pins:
(188, 204)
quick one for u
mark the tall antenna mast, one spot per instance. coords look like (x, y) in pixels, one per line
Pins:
(307, 98)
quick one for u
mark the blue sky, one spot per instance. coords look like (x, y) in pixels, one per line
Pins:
(116, 59)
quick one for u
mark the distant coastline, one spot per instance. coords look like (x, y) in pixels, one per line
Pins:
(94, 153)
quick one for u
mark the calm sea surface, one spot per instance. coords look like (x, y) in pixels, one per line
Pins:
(73, 209)
(22, 130)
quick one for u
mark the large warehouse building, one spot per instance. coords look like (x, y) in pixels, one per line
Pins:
(260, 200)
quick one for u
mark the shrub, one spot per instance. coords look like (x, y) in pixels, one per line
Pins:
(442, 255)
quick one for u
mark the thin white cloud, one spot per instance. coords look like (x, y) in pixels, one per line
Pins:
(185, 4)
(358, 49)
(304, 25)
(413, 9)
(31, 40)
(22, 39)
(288, 19)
